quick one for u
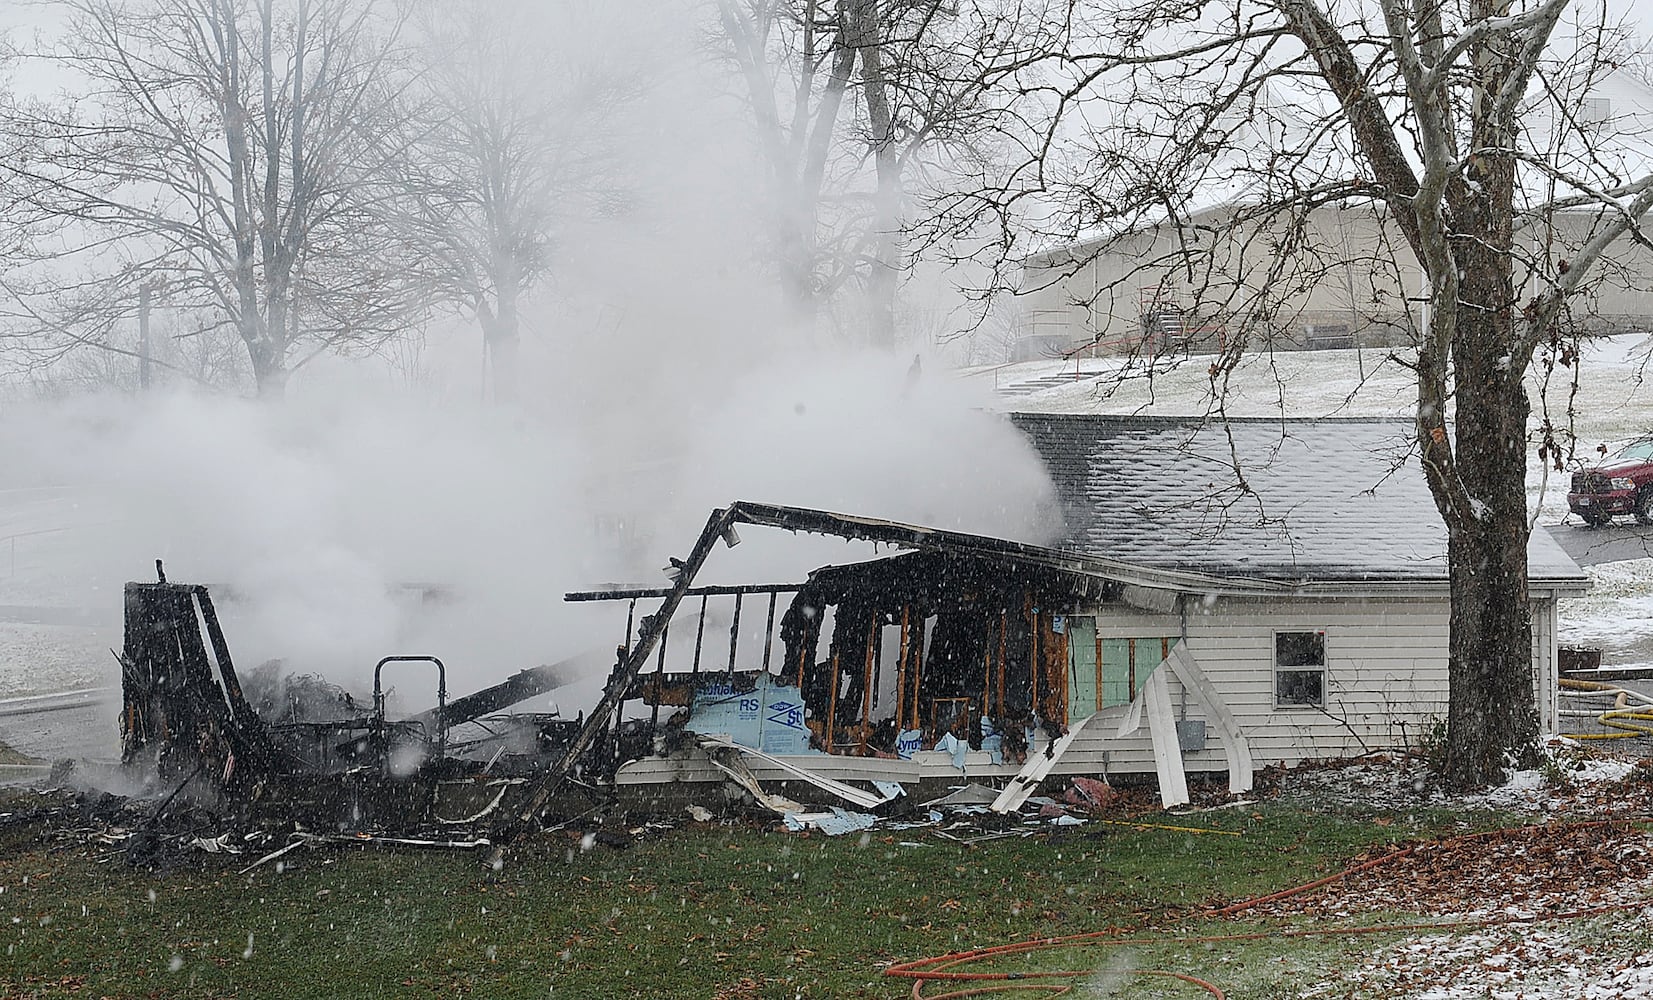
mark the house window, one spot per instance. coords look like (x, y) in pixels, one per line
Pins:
(1594, 113)
(1299, 669)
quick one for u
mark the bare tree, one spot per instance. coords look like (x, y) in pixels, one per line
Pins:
(1203, 141)
(517, 142)
(929, 107)
(232, 151)
(186, 348)
(795, 80)
(836, 84)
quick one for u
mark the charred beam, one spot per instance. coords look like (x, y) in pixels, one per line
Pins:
(649, 633)
(912, 536)
(181, 697)
(520, 686)
(636, 593)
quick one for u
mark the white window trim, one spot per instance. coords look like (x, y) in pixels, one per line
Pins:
(1324, 668)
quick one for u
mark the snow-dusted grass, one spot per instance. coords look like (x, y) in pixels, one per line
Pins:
(1595, 961)
(1575, 780)
(1557, 912)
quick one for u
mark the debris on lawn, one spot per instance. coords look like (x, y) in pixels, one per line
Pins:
(1526, 913)
(1510, 906)
(1535, 963)
(942, 667)
(977, 649)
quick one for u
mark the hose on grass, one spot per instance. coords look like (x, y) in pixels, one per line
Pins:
(945, 968)
(1626, 720)
(1057, 989)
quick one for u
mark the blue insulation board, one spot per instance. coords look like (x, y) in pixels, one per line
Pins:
(769, 717)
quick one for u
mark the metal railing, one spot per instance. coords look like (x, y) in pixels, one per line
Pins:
(10, 541)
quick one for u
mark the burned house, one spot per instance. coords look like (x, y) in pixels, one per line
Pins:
(1224, 597)
(1221, 598)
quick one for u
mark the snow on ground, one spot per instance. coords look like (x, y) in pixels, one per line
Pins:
(43, 659)
(1557, 911)
(1616, 616)
(1577, 779)
(58, 620)
(1513, 962)
(50, 541)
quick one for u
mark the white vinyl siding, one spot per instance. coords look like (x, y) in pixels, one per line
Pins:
(1384, 687)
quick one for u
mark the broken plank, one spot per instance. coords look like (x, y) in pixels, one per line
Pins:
(1162, 729)
(849, 793)
(730, 764)
(1021, 787)
(1236, 748)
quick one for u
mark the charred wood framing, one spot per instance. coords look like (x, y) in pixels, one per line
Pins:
(801, 632)
(734, 633)
(958, 608)
(699, 636)
(659, 675)
(649, 634)
(769, 632)
(951, 594)
(181, 698)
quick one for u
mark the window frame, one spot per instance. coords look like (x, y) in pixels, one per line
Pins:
(1323, 669)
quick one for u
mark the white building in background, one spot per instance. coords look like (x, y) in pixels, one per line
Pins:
(1339, 275)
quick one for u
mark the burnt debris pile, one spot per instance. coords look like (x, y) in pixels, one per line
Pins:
(231, 761)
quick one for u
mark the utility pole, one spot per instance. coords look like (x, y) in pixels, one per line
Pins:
(1354, 316)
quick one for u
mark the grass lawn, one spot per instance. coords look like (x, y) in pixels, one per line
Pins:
(703, 911)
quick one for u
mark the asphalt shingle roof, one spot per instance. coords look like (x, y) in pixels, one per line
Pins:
(1321, 500)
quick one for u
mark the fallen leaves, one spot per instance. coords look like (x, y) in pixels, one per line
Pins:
(1538, 869)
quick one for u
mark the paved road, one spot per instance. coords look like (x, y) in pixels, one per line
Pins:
(1623, 539)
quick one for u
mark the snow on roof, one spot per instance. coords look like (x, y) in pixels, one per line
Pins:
(1593, 125)
(1323, 500)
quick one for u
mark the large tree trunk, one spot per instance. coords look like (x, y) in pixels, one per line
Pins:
(502, 337)
(269, 368)
(1493, 710)
(504, 355)
(883, 275)
(795, 259)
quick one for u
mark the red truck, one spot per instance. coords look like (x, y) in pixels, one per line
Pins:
(1621, 484)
